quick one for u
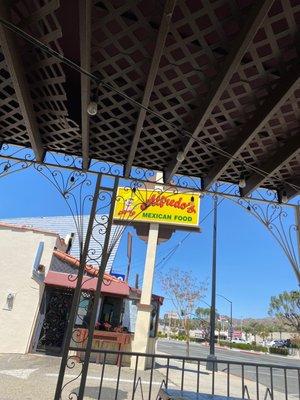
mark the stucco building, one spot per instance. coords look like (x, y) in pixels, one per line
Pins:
(36, 290)
(23, 250)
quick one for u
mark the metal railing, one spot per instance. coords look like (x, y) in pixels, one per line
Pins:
(184, 376)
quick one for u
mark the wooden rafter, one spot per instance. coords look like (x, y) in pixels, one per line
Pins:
(292, 192)
(231, 63)
(85, 62)
(283, 155)
(275, 100)
(16, 69)
(160, 43)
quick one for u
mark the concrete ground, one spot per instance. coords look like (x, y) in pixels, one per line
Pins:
(33, 377)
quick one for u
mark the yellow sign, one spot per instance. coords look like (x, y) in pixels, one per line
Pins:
(143, 205)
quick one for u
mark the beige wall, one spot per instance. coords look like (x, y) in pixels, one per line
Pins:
(17, 254)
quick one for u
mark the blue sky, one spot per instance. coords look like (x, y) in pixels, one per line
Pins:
(251, 266)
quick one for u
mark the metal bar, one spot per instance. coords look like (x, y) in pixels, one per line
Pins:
(77, 293)
(272, 387)
(228, 380)
(198, 376)
(85, 7)
(182, 374)
(243, 382)
(104, 259)
(134, 379)
(158, 51)
(167, 374)
(299, 381)
(257, 382)
(151, 377)
(297, 218)
(184, 189)
(214, 282)
(118, 378)
(285, 385)
(213, 379)
(231, 325)
(102, 375)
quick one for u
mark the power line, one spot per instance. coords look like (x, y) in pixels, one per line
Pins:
(35, 42)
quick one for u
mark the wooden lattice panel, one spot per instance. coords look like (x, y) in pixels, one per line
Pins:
(280, 129)
(198, 41)
(289, 172)
(45, 74)
(197, 45)
(123, 39)
(274, 48)
(12, 127)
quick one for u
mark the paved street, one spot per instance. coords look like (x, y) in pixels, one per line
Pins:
(199, 350)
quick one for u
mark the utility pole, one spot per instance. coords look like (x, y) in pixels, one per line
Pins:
(211, 364)
(129, 253)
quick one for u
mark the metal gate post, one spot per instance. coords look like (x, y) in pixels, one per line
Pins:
(77, 293)
(297, 216)
(104, 259)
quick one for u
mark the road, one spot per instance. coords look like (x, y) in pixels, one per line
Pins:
(176, 348)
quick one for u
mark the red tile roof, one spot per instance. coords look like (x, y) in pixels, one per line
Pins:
(90, 269)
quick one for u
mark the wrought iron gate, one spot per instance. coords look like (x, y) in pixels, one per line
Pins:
(54, 312)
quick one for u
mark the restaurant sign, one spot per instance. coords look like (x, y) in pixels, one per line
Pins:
(142, 205)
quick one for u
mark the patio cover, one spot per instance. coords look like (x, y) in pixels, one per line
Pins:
(221, 78)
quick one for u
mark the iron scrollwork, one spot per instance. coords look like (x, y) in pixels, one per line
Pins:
(276, 218)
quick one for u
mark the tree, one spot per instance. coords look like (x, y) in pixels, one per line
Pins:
(203, 313)
(219, 328)
(254, 328)
(286, 308)
(264, 331)
(247, 329)
(203, 316)
(184, 291)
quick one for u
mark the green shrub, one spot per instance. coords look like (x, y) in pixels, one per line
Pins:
(279, 350)
(244, 346)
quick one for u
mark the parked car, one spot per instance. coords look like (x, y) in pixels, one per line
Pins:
(280, 343)
(239, 340)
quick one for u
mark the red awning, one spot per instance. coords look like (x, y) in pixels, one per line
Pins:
(111, 287)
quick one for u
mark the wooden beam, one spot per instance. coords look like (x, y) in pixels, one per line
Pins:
(274, 101)
(273, 164)
(232, 61)
(160, 43)
(85, 7)
(292, 189)
(16, 70)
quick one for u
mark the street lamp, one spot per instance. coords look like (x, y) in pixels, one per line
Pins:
(202, 301)
(231, 331)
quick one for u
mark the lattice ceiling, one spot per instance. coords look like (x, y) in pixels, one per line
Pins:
(168, 55)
